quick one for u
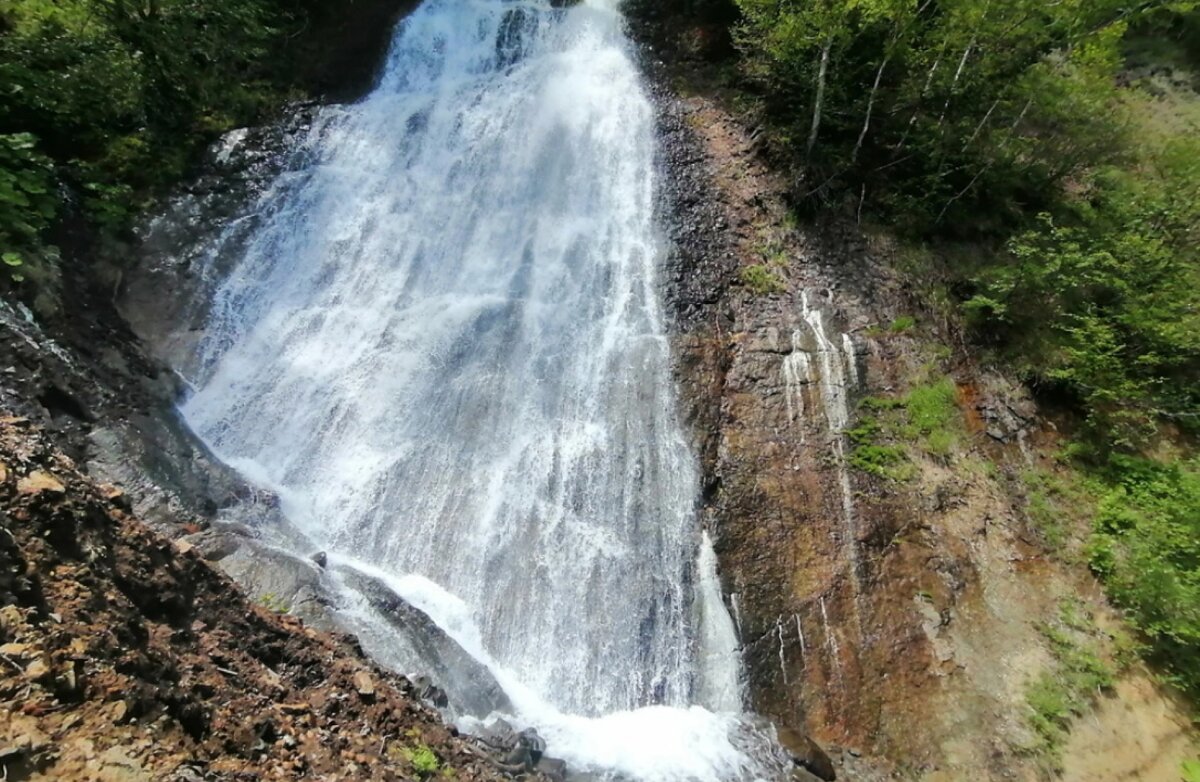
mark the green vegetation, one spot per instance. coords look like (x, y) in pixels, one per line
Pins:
(105, 102)
(1057, 504)
(1190, 771)
(1146, 548)
(422, 759)
(762, 280)
(274, 603)
(934, 419)
(1077, 675)
(926, 418)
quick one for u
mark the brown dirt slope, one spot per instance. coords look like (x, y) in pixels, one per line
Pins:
(124, 656)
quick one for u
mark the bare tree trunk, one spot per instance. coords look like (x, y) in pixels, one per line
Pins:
(917, 109)
(961, 193)
(862, 136)
(819, 100)
(962, 64)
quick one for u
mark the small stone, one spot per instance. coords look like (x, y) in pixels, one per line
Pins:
(14, 650)
(3, 472)
(321, 558)
(37, 482)
(293, 708)
(110, 492)
(119, 711)
(37, 670)
(183, 547)
(364, 684)
(11, 618)
(56, 618)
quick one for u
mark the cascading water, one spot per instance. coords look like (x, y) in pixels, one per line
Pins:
(443, 349)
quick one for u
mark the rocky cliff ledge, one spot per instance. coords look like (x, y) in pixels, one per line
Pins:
(867, 489)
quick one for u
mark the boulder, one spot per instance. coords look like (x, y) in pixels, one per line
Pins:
(462, 681)
(806, 754)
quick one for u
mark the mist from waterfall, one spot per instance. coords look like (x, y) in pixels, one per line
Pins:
(444, 349)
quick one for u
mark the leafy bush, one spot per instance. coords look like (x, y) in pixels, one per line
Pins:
(110, 101)
(1077, 675)
(762, 280)
(422, 759)
(1146, 548)
(28, 202)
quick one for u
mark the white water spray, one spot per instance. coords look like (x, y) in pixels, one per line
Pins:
(444, 350)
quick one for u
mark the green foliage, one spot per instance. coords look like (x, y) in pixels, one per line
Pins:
(762, 280)
(1146, 548)
(274, 603)
(902, 324)
(422, 759)
(28, 202)
(1066, 690)
(1056, 505)
(1190, 770)
(927, 417)
(934, 418)
(941, 108)
(110, 100)
(883, 461)
(1115, 287)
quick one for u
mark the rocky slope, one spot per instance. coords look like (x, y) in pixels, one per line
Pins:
(901, 613)
(126, 657)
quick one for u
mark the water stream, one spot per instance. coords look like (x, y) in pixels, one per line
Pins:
(443, 348)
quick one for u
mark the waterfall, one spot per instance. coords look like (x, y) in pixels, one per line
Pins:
(443, 348)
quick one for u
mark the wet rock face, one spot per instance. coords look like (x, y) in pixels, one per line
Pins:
(824, 565)
(165, 293)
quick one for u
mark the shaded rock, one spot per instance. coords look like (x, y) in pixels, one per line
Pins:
(468, 684)
(552, 768)
(806, 754)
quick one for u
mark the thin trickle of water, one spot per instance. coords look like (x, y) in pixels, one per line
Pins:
(835, 652)
(797, 373)
(816, 360)
(782, 657)
(443, 349)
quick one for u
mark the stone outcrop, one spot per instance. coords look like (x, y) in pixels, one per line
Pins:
(895, 621)
(126, 657)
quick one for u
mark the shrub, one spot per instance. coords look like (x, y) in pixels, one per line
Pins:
(1146, 548)
(762, 280)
